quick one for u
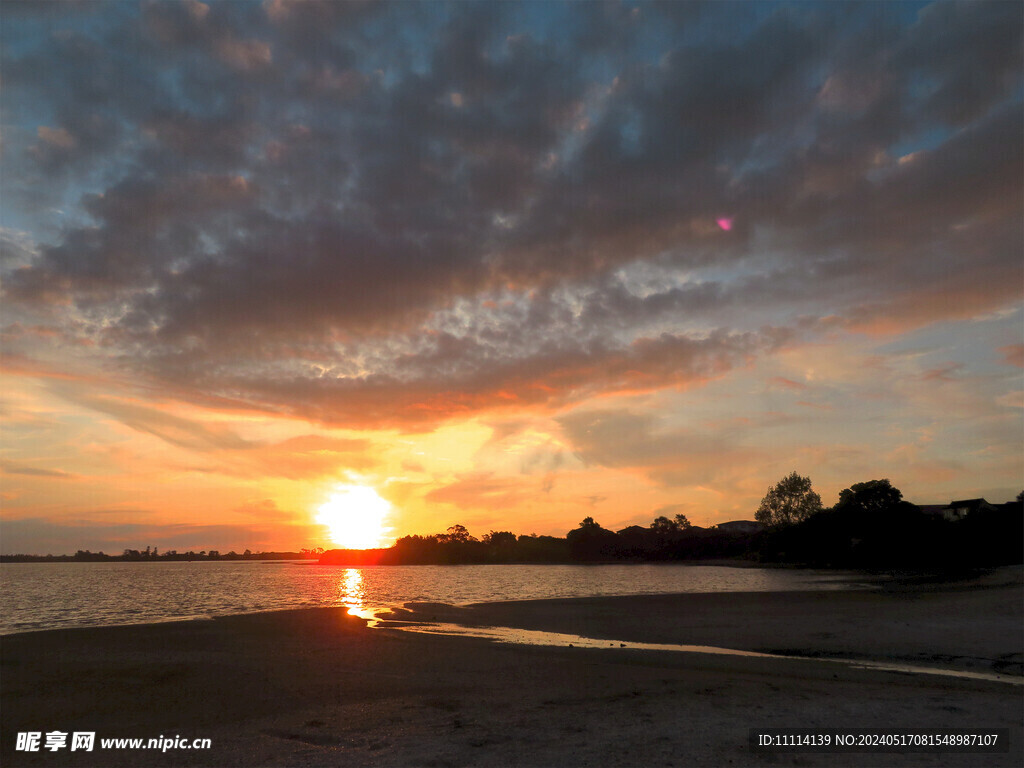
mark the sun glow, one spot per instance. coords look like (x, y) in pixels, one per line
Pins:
(355, 516)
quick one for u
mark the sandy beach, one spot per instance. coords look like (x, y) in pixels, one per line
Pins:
(317, 687)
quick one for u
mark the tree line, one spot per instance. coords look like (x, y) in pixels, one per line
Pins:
(663, 539)
(870, 526)
(153, 554)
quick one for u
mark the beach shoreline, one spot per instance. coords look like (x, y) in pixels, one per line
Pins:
(318, 687)
(968, 623)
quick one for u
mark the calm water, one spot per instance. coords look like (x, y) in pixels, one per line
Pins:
(52, 595)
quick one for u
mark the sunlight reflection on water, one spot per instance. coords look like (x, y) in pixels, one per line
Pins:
(352, 594)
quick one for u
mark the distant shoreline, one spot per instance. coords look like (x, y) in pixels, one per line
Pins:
(183, 558)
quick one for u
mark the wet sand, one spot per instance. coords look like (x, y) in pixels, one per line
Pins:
(317, 687)
(971, 624)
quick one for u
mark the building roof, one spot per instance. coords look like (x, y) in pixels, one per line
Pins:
(970, 503)
(739, 524)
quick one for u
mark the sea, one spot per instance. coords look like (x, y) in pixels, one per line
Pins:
(36, 596)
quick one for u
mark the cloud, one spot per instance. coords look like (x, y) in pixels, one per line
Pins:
(782, 381)
(1011, 399)
(372, 214)
(669, 456)
(484, 491)
(178, 431)
(1013, 354)
(245, 55)
(222, 449)
(469, 383)
(17, 248)
(16, 468)
(264, 511)
(309, 456)
(971, 52)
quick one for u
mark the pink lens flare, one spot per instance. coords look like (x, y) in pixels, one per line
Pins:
(725, 224)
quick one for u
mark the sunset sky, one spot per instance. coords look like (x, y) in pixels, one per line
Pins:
(504, 264)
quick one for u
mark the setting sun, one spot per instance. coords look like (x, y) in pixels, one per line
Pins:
(355, 516)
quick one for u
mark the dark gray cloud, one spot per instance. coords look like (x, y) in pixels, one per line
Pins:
(366, 211)
(16, 468)
(968, 55)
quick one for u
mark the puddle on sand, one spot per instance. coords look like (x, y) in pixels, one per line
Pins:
(515, 636)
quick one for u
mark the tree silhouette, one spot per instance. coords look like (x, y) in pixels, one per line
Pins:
(456, 533)
(870, 497)
(499, 539)
(791, 500)
(662, 525)
(590, 541)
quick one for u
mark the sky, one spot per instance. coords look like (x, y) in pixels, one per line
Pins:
(506, 265)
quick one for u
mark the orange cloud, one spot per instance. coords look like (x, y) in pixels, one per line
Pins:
(788, 383)
(1013, 354)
